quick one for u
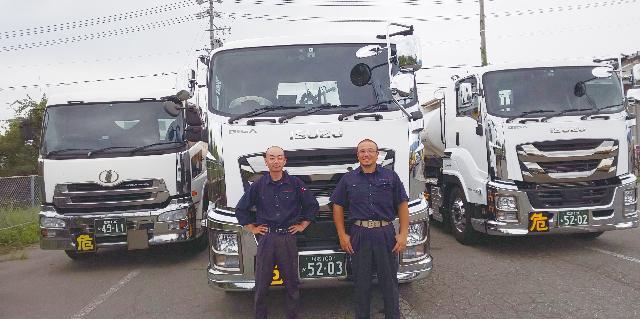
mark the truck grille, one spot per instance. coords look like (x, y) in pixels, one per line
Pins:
(582, 194)
(568, 161)
(570, 166)
(94, 197)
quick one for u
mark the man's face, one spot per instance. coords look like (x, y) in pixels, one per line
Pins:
(275, 159)
(367, 153)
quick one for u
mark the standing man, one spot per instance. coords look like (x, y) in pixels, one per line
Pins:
(374, 197)
(284, 207)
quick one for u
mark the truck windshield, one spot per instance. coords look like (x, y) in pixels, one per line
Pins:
(109, 128)
(519, 92)
(243, 80)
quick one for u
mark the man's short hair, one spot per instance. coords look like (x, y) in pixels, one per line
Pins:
(367, 140)
(274, 146)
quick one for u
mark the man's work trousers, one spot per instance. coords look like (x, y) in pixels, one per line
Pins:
(277, 249)
(373, 252)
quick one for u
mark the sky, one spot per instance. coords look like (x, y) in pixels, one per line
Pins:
(47, 45)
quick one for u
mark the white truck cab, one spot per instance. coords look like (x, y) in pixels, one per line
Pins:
(316, 97)
(128, 173)
(531, 149)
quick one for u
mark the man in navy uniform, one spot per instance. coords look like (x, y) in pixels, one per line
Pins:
(374, 196)
(284, 207)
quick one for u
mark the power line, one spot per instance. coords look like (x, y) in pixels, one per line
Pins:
(132, 77)
(96, 21)
(351, 3)
(113, 59)
(102, 34)
(436, 18)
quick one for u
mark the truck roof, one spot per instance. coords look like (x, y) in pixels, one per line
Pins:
(105, 97)
(532, 65)
(299, 40)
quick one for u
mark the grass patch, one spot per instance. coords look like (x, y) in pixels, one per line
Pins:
(18, 227)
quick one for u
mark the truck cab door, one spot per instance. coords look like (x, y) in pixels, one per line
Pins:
(197, 155)
(465, 140)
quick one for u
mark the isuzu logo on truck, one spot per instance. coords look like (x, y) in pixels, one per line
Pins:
(108, 176)
(313, 134)
(568, 130)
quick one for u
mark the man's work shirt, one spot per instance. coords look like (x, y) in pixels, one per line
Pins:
(279, 204)
(372, 196)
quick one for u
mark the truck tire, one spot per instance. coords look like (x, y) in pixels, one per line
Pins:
(460, 217)
(79, 256)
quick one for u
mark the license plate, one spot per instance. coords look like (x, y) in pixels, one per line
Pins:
(85, 243)
(574, 218)
(322, 266)
(539, 222)
(111, 226)
(276, 280)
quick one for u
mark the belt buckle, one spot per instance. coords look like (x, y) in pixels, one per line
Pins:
(371, 223)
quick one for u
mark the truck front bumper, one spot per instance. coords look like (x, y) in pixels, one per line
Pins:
(241, 277)
(615, 215)
(225, 280)
(143, 222)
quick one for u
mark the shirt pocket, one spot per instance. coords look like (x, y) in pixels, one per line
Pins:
(287, 195)
(358, 193)
(383, 191)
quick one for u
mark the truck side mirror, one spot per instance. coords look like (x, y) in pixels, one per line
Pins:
(192, 117)
(360, 74)
(409, 53)
(479, 129)
(26, 130)
(416, 115)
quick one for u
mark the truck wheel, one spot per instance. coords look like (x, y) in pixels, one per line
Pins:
(589, 236)
(79, 256)
(460, 216)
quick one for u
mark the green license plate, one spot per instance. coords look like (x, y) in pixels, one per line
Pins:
(322, 266)
(573, 218)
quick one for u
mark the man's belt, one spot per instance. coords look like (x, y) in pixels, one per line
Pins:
(371, 223)
(281, 231)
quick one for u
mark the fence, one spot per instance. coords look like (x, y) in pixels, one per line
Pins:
(20, 190)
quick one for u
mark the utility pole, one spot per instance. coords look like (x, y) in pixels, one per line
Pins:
(212, 32)
(483, 40)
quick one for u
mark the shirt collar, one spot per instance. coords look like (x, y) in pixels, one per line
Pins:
(283, 180)
(359, 169)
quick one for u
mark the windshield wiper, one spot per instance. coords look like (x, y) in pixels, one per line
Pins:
(137, 149)
(64, 150)
(544, 119)
(101, 150)
(598, 110)
(527, 113)
(362, 109)
(262, 110)
(314, 110)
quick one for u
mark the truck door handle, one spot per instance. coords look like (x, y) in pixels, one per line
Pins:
(457, 138)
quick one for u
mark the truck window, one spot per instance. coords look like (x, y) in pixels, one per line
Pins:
(466, 99)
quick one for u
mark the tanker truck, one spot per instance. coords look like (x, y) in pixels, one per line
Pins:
(530, 149)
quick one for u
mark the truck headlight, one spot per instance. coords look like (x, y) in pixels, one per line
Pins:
(506, 203)
(225, 250)
(172, 215)
(50, 222)
(416, 234)
(226, 243)
(630, 196)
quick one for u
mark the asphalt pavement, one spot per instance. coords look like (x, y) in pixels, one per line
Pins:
(523, 277)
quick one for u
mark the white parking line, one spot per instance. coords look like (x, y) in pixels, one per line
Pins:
(405, 309)
(614, 254)
(102, 298)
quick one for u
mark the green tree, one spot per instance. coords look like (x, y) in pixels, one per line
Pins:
(18, 157)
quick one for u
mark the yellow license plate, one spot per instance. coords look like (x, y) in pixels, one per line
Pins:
(539, 222)
(276, 280)
(85, 243)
